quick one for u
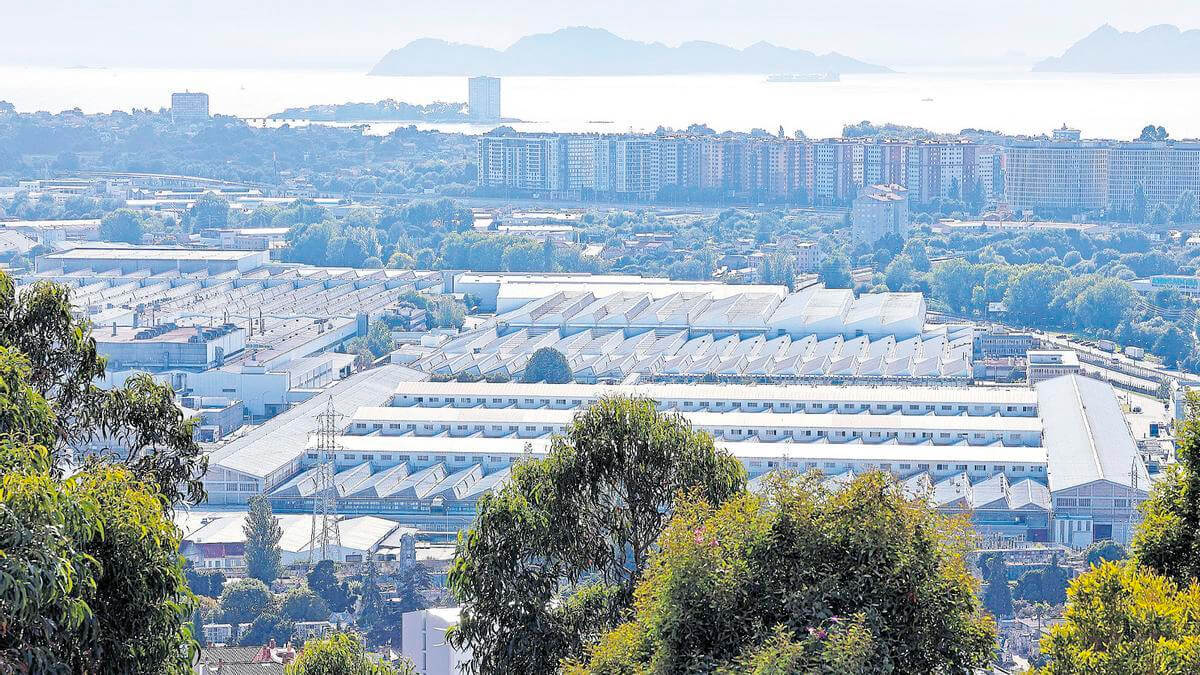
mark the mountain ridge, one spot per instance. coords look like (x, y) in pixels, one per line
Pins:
(1162, 48)
(580, 50)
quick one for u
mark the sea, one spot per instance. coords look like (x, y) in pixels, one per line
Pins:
(1008, 100)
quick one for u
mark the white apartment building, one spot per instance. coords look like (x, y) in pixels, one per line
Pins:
(483, 98)
(880, 210)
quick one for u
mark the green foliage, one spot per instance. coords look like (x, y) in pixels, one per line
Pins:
(301, 604)
(262, 540)
(125, 225)
(379, 339)
(245, 600)
(1123, 618)
(580, 525)
(324, 582)
(208, 211)
(548, 365)
(1168, 540)
(1105, 550)
(90, 572)
(997, 596)
(754, 583)
(266, 627)
(834, 272)
(1048, 585)
(205, 582)
(341, 654)
(90, 578)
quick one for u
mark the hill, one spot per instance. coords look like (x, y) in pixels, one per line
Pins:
(1157, 49)
(593, 51)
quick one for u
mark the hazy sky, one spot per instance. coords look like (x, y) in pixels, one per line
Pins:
(356, 33)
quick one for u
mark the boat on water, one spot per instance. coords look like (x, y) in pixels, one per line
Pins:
(805, 77)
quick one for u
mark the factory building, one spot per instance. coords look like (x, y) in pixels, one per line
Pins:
(1055, 463)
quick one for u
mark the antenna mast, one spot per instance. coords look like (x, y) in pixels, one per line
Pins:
(325, 533)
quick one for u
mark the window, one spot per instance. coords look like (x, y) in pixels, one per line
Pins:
(960, 467)
(312, 455)
(943, 467)
(460, 458)
(393, 426)
(999, 467)
(1019, 468)
(1066, 501)
(422, 458)
(923, 467)
(385, 458)
(349, 456)
(368, 457)
(981, 467)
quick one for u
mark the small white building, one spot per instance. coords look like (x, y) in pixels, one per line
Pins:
(1046, 365)
(424, 639)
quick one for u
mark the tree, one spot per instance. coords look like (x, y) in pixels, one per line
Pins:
(1173, 345)
(1105, 550)
(341, 654)
(580, 525)
(997, 596)
(1123, 618)
(1168, 540)
(262, 540)
(379, 339)
(1153, 133)
(245, 600)
(148, 431)
(952, 281)
(732, 580)
(208, 583)
(548, 365)
(209, 211)
(834, 271)
(266, 627)
(324, 583)
(1048, 585)
(123, 225)
(1185, 208)
(899, 273)
(301, 604)
(90, 576)
(1140, 211)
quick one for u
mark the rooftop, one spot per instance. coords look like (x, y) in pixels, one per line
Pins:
(279, 441)
(1087, 434)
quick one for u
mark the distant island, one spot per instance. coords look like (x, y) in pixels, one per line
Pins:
(381, 111)
(594, 51)
(1157, 49)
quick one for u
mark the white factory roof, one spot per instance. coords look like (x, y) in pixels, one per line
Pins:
(889, 451)
(361, 533)
(275, 443)
(900, 422)
(730, 392)
(1087, 434)
(821, 311)
(149, 253)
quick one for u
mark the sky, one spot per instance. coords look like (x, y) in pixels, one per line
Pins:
(356, 33)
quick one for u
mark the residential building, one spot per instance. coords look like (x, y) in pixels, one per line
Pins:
(483, 98)
(189, 107)
(879, 211)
